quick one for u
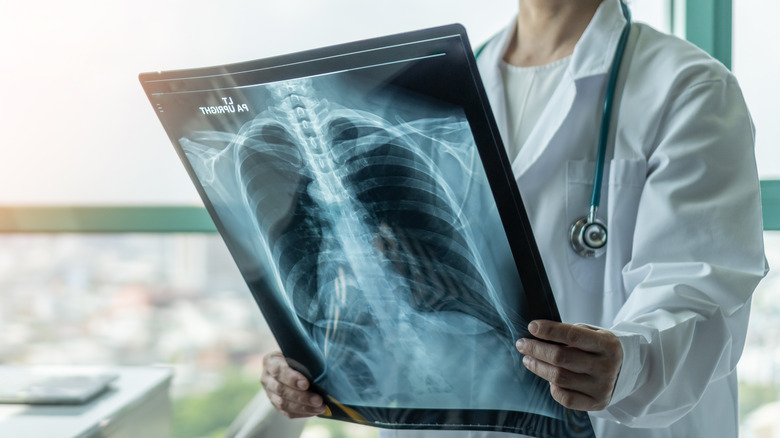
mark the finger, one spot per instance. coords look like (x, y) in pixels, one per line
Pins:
(287, 393)
(291, 409)
(276, 365)
(580, 337)
(563, 378)
(569, 358)
(575, 400)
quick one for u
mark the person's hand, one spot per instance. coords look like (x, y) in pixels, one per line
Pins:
(288, 389)
(583, 371)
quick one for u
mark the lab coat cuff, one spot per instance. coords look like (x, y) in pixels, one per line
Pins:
(629, 370)
(629, 373)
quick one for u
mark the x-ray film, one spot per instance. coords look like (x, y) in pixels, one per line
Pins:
(366, 198)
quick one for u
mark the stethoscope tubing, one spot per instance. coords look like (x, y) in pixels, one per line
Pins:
(583, 226)
(606, 118)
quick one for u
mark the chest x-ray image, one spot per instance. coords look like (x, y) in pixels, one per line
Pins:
(352, 191)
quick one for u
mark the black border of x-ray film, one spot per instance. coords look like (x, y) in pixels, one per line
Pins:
(451, 43)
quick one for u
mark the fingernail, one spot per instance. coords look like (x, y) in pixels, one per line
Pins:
(526, 361)
(520, 344)
(533, 327)
(301, 384)
(315, 400)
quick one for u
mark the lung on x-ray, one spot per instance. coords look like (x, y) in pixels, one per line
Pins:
(366, 198)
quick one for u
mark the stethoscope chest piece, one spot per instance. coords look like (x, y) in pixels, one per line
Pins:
(588, 237)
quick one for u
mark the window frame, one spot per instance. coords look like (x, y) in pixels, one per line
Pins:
(706, 23)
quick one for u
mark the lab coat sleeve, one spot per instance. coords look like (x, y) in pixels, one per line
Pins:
(697, 256)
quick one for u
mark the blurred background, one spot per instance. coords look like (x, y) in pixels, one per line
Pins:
(77, 131)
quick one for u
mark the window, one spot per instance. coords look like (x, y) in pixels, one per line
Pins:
(137, 299)
(754, 66)
(78, 129)
(759, 369)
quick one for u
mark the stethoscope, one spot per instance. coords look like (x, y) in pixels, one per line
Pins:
(588, 234)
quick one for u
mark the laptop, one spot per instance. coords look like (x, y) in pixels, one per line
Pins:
(20, 386)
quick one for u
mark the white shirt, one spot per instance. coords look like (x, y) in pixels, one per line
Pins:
(681, 200)
(527, 91)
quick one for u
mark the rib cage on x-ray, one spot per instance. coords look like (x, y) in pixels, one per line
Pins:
(366, 234)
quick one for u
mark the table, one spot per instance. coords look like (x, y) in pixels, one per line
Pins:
(137, 405)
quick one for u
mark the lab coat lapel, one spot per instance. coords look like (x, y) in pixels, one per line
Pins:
(554, 114)
(600, 38)
(550, 122)
(498, 101)
(490, 70)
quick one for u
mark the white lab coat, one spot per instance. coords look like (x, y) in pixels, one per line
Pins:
(681, 200)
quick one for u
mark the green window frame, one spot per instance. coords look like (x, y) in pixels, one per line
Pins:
(185, 219)
(706, 23)
(770, 202)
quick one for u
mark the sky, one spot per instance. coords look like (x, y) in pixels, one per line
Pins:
(75, 125)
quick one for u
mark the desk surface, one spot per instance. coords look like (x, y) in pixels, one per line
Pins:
(135, 390)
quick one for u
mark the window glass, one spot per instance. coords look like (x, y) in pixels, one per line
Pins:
(78, 130)
(755, 26)
(653, 12)
(138, 300)
(754, 66)
(759, 368)
(133, 299)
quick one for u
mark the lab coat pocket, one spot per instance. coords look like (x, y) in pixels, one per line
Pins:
(623, 180)
(626, 182)
(585, 272)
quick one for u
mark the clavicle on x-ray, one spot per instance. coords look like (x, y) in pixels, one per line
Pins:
(361, 211)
